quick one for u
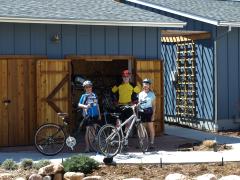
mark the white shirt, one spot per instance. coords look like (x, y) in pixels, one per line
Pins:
(148, 98)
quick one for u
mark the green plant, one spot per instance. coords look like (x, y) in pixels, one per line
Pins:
(80, 163)
(9, 164)
(26, 164)
(41, 163)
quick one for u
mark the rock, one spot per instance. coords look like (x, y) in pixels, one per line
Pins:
(176, 176)
(93, 178)
(5, 176)
(73, 176)
(47, 178)
(58, 176)
(133, 179)
(230, 177)
(35, 177)
(207, 177)
(20, 178)
(51, 169)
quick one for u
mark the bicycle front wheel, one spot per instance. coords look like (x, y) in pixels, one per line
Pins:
(92, 135)
(50, 139)
(109, 140)
(142, 137)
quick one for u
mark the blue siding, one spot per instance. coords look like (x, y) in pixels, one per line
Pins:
(69, 44)
(83, 40)
(139, 42)
(22, 39)
(98, 40)
(36, 39)
(54, 49)
(6, 38)
(112, 40)
(151, 43)
(125, 40)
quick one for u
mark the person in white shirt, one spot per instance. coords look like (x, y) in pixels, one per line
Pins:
(148, 107)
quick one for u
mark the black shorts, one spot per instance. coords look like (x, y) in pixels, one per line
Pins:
(146, 115)
(91, 121)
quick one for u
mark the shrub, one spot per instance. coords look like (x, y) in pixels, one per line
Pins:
(9, 164)
(26, 164)
(80, 163)
(41, 164)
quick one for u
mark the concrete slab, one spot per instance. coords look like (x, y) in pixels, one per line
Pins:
(166, 150)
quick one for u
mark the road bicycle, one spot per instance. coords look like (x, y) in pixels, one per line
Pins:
(111, 139)
(51, 138)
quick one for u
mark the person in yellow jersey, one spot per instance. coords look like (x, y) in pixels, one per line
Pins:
(125, 90)
(125, 93)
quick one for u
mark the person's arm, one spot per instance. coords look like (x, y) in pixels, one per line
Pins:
(114, 89)
(136, 89)
(154, 109)
(81, 105)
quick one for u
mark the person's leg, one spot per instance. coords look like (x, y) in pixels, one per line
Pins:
(151, 132)
(86, 140)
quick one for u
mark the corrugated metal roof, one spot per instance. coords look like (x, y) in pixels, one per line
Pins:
(218, 12)
(96, 12)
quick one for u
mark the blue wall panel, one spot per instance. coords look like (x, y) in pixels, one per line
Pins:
(222, 74)
(38, 39)
(98, 40)
(151, 43)
(22, 39)
(83, 40)
(112, 40)
(233, 72)
(6, 38)
(69, 44)
(125, 40)
(139, 42)
(53, 49)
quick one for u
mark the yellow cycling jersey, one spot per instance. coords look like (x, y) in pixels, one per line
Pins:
(125, 91)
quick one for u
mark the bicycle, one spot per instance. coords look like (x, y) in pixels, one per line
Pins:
(51, 138)
(111, 139)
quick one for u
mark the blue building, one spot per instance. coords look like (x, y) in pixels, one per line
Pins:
(206, 31)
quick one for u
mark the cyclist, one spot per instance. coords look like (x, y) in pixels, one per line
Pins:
(149, 106)
(125, 93)
(89, 103)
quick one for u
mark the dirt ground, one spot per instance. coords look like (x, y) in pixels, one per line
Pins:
(155, 172)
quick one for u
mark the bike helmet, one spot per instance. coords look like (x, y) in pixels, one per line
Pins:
(87, 83)
(147, 81)
(125, 73)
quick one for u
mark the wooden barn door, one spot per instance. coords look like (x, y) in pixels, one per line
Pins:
(3, 104)
(53, 90)
(153, 69)
(18, 103)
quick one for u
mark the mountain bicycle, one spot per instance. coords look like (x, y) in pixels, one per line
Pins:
(111, 138)
(51, 138)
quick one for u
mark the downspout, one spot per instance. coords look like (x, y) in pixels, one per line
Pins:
(216, 77)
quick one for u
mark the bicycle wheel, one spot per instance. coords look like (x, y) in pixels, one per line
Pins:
(50, 139)
(93, 136)
(142, 137)
(109, 140)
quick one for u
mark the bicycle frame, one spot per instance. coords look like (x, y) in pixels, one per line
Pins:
(132, 118)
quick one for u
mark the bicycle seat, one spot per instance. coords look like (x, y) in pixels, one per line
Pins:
(115, 114)
(63, 115)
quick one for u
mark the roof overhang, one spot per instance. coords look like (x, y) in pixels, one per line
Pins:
(188, 15)
(175, 36)
(92, 22)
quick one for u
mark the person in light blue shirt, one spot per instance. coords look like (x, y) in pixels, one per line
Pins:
(89, 103)
(147, 101)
